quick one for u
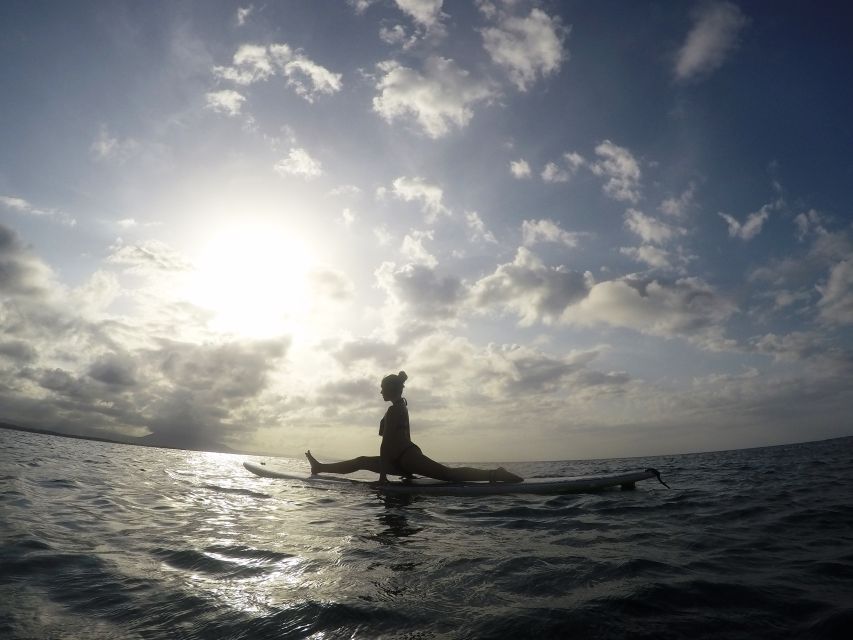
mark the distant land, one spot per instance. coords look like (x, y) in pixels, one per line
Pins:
(145, 441)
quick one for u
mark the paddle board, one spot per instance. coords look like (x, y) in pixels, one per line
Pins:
(428, 486)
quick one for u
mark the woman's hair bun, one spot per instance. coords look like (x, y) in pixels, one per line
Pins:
(403, 377)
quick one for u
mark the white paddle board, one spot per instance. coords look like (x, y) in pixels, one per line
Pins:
(428, 486)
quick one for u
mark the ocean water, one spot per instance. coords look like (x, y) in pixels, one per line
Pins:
(113, 541)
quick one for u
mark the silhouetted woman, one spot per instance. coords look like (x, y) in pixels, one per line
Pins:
(398, 455)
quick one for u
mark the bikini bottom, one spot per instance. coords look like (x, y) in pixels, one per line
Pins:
(397, 460)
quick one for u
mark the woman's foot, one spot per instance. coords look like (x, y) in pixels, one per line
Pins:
(315, 465)
(502, 475)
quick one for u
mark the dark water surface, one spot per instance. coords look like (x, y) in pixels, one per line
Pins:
(114, 541)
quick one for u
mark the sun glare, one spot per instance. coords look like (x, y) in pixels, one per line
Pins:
(254, 279)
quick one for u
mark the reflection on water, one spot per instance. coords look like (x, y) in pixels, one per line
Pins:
(146, 543)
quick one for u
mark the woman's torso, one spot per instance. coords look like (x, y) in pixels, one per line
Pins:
(396, 435)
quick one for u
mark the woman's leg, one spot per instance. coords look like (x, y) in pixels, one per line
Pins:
(361, 463)
(414, 461)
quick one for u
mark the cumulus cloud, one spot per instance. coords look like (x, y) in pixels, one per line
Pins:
(21, 273)
(299, 163)
(530, 289)
(751, 227)
(419, 293)
(621, 169)
(527, 48)
(650, 229)
(226, 101)
(425, 13)
(537, 231)
(419, 190)
(713, 38)
(519, 168)
(687, 307)
(439, 98)
(255, 63)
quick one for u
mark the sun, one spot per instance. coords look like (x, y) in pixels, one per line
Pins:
(253, 278)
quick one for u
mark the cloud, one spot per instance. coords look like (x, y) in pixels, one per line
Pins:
(749, 229)
(836, 302)
(519, 168)
(537, 231)
(299, 163)
(622, 170)
(418, 190)
(21, 206)
(360, 6)
(152, 256)
(331, 284)
(678, 207)
(527, 48)
(347, 217)
(419, 293)
(687, 307)
(18, 351)
(556, 173)
(106, 146)
(360, 349)
(226, 101)
(440, 98)
(794, 346)
(21, 273)
(530, 289)
(652, 256)
(808, 223)
(714, 36)
(113, 370)
(425, 13)
(650, 229)
(479, 233)
(255, 63)
(414, 251)
(243, 14)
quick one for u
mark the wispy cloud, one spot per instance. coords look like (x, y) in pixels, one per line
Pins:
(534, 232)
(621, 169)
(416, 189)
(22, 206)
(751, 227)
(714, 36)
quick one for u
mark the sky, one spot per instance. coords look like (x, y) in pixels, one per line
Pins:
(583, 229)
